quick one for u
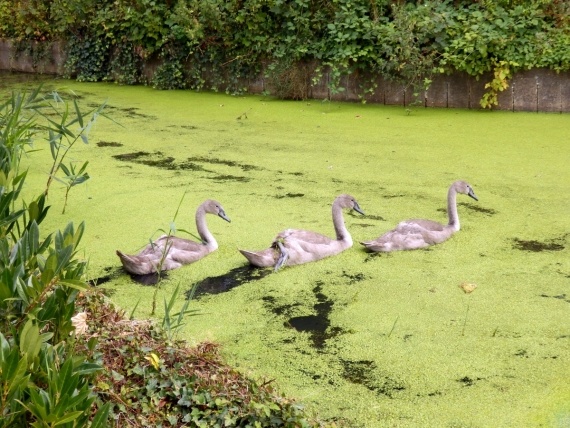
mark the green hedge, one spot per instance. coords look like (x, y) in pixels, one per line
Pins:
(214, 44)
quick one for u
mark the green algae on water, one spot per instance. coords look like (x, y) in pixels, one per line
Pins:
(370, 340)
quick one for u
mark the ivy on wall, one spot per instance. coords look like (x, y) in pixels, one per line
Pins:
(215, 44)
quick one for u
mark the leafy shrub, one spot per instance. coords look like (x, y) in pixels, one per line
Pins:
(218, 44)
(42, 382)
(150, 380)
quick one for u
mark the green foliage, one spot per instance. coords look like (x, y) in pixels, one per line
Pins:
(72, 178)
(172, 323)
(218, 44)
(152, 381)
(499, 83)
(43, 384)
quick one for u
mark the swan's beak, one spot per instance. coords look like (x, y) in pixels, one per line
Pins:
(223, 215)
(357, 208)
(472, 194)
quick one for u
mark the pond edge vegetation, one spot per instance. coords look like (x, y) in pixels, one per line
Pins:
(295, 45)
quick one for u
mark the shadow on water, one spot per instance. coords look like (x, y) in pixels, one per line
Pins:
(472, 207)
(149, 279)
(536, 246)
(223, 283)
(478, 208)
(113, 273)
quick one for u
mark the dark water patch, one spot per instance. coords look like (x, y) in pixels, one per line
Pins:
(192, 127)
(214, 161)
(468, 381)
(165, 163)
(296, 174)
(223, 283)
(522, 353)
(130, 112)
(394, 195)
(478, 208)
(358, 372)
(271, 304)
(313, 324)
(318, 324)
(536, 246)
(370, 256)
(131, 157)
(159, 160)
(559, 297)
(230, 178)
(191, 166)
(365, 373)
(109, 144)
(290, 195)
(353, 278)
(156, 159)
(312, 375)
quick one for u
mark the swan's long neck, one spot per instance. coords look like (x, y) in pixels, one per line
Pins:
(342, 233)
(452, 209)
(207, 238)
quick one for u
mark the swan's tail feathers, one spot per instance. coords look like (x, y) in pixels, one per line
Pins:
(135, 265)
(264, 258)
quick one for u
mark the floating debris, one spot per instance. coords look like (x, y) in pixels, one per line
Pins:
(468, 287)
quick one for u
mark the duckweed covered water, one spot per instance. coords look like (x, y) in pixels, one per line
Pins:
(371, 340)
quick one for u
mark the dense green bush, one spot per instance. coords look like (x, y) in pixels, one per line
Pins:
(217, 44)
(43, 383)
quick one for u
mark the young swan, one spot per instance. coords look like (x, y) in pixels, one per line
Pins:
(294, 246)
(419, 233)
(170, 252)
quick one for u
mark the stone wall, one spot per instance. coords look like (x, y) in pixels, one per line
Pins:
(49, 58)
(532, 90)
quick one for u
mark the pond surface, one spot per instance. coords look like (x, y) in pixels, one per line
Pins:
(370, 340)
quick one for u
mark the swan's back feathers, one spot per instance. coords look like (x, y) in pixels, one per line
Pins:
(171, 252)
(297, 246)
(305, 236)
(419, 225)
(420, 233)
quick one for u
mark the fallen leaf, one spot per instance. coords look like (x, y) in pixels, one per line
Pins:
(468, 287)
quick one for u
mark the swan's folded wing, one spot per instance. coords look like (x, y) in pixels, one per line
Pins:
(185, 244)
(418, 226)
(303, 238)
